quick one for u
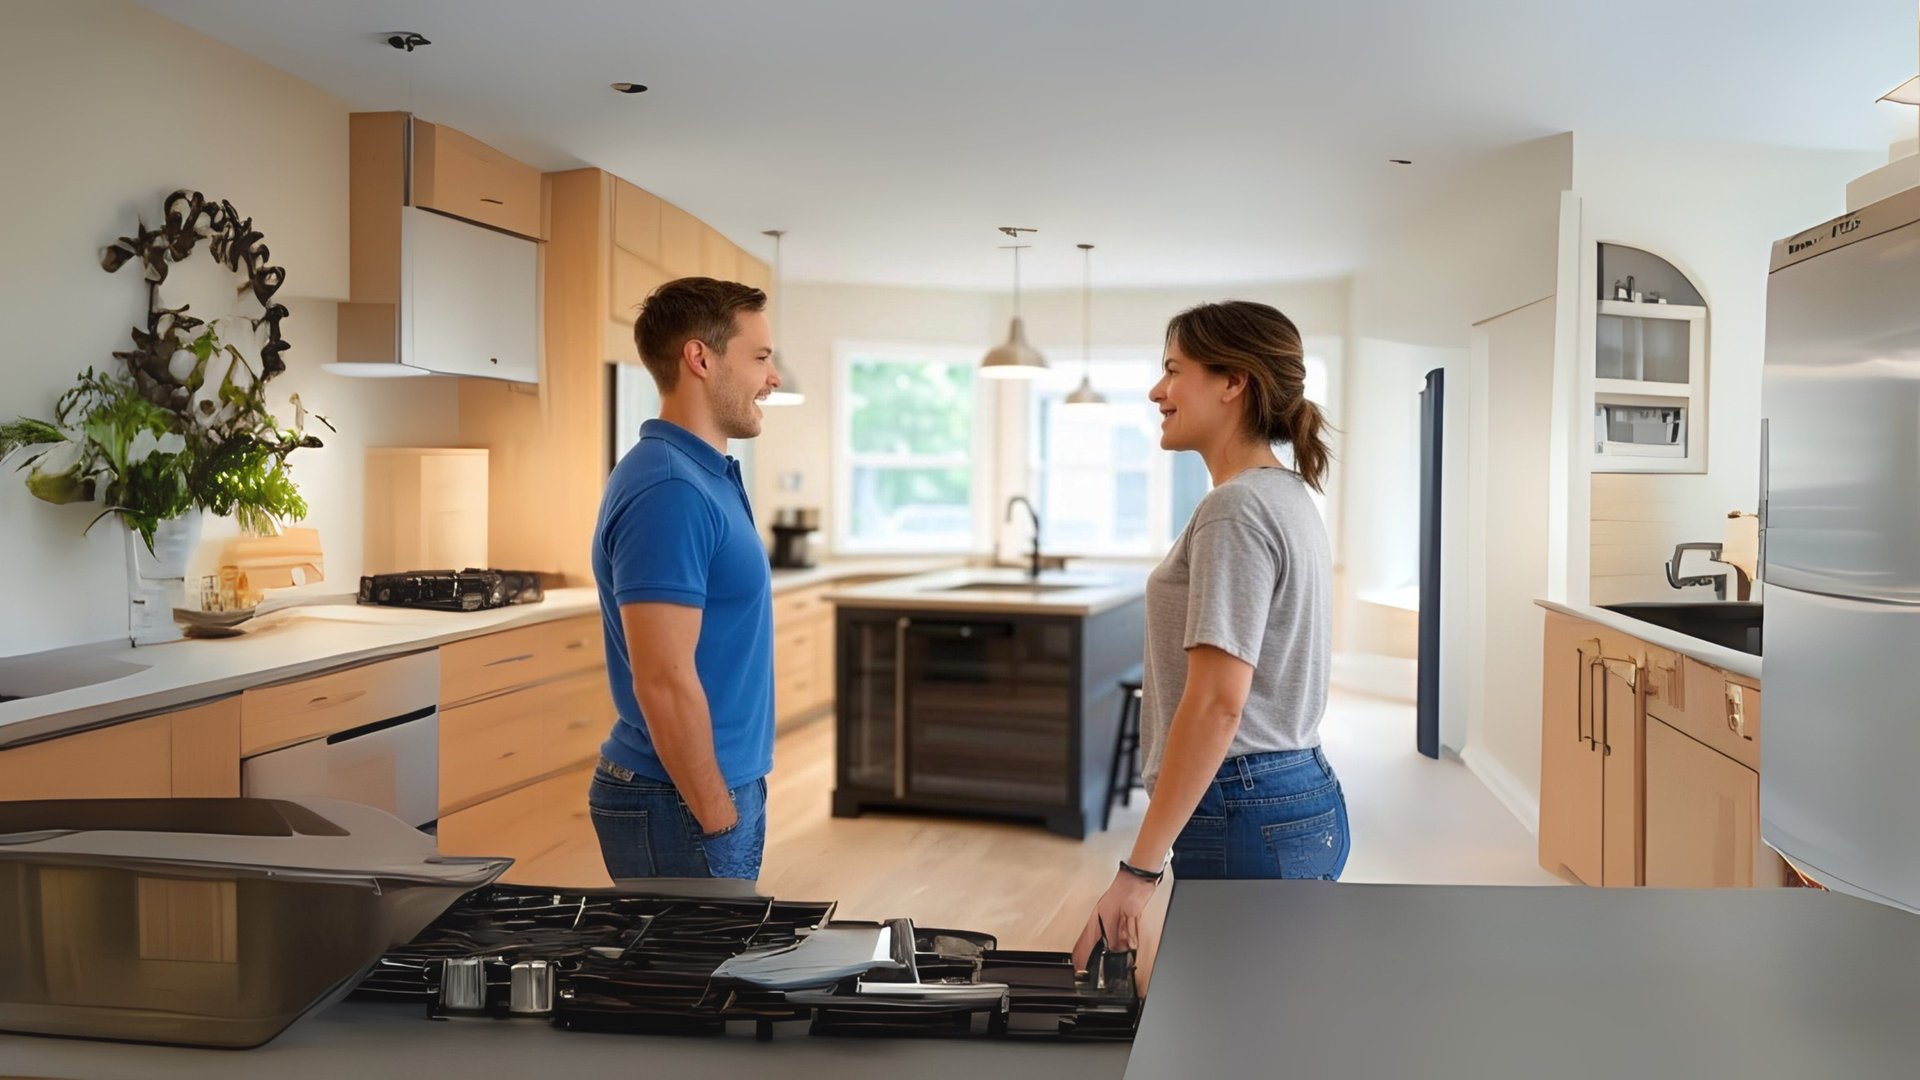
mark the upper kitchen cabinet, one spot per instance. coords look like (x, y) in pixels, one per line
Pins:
(460, 175)
(445, 260)
(1649, 366)
(653, 242)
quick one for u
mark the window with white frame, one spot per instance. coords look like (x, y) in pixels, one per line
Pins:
(1103, 485)
(908, 435)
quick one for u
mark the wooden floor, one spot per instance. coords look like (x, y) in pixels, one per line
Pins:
(1031, 888)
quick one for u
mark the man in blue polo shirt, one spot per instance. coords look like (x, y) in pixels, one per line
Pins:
(686, 601)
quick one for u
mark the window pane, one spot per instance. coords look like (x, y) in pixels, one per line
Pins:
(910, 407)
(911, 506)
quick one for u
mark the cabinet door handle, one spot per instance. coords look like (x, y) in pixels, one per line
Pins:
(1737, 710)
(508, 660)
(900, 707)
(495, 202)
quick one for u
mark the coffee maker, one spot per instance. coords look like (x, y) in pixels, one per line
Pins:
(793, 529)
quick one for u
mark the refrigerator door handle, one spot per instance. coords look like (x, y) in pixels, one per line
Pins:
(1760, 554)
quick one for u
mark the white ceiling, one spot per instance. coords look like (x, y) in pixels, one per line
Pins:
(1194, 141)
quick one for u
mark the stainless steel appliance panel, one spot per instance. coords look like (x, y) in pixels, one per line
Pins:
(1842, 400)
(393, 765)
(1837, 789)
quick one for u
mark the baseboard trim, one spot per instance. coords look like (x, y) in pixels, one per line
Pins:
(1506, 787)
(1393, 677)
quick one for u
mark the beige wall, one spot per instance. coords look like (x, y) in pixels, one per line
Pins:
(97, 131)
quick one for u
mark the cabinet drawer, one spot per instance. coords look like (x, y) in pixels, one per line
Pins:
(293, 712)
(799, 605)
(543, 827)
(1710, 706)
(794, 693)
(460, 175)
(499, 744)
(486, 665)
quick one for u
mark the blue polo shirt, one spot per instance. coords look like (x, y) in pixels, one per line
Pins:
(676, 528)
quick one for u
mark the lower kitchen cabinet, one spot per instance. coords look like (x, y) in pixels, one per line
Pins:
(803, 653)
(191, 753)
(1590, 754)
(1703, 814)
(543, 826)
(1648, 765)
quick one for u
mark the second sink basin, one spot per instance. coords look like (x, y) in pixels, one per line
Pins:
(1731, 624)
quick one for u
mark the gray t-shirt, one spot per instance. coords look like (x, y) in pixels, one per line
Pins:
(1252, 575)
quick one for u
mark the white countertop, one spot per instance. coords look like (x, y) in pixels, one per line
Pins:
(290, 643)
(1071, 592)
(300, 641)
(1729, 660)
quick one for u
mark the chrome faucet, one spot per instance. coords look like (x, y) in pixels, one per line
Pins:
(1034, 571)
(1718, 581)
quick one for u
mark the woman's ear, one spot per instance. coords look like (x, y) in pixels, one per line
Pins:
(1236, 385)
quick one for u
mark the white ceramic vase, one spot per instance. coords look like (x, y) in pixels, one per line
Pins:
(157, 579)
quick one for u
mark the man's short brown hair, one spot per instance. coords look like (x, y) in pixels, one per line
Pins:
(688, 309)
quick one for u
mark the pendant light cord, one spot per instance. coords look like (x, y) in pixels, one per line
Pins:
(1086, 311)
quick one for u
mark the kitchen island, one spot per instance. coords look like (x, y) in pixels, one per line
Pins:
(383, 1040)
(1448, 982)
(985, 692)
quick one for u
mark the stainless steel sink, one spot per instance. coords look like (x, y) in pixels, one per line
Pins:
(1016, 586)
(50, 673)
(1732, 624)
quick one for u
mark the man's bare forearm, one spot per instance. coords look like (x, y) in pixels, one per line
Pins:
(682, 730)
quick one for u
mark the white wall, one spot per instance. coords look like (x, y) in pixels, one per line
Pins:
(109, 131)
(1714, 211)
(1485, 245)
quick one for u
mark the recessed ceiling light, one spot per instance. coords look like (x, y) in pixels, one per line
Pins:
(1400, 161)
(629, 87)
(407, 40)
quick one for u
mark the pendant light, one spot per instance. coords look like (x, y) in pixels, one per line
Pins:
(1014, 358)
(789, 392)
(1085, 395)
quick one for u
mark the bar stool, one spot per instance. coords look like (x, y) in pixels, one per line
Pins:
(1126, 747)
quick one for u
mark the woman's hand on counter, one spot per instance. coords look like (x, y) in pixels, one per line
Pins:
(1118, 914)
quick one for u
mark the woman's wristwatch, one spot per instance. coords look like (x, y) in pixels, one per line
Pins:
(1144, 875)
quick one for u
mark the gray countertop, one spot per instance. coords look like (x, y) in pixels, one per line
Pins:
(1003, 591)
(1302, 978)
(378, 1041)
(1729, 660)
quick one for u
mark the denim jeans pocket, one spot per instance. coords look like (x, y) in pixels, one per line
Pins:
(1309, 848)
(1200, 851)
(736, 852)
(624, 844)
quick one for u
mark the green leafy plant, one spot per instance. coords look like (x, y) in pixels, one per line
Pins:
(222, 452)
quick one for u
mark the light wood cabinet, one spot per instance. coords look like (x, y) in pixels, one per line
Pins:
(192, 753)
(1649, 765)
(426, 507)
(682, 242)
(482, 666)
(458, 174)
(1703, 814)
(492, 746)
(636, 221)
(802, 654)
(281, 715)
(545, 826)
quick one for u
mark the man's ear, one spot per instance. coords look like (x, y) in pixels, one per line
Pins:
(696, 358)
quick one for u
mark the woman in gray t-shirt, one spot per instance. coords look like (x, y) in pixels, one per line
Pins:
(1239, 628)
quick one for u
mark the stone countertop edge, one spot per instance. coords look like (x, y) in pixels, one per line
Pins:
(927, 592)
(1731, 661)
(186, 673)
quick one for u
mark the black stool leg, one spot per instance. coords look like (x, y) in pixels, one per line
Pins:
(1130, 709)
(1113, 769)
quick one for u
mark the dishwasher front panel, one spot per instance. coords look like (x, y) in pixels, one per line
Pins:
(392, 764)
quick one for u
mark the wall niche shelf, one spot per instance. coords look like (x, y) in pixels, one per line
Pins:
(1648, 372)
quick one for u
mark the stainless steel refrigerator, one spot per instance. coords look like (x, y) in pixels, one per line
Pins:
(1840, 552)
